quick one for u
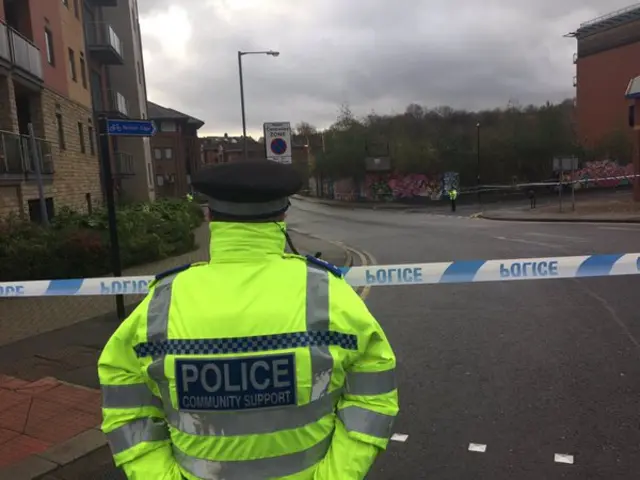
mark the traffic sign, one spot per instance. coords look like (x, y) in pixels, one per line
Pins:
(131, 128)
(277, 141)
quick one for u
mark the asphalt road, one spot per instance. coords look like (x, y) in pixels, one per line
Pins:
(529, 369)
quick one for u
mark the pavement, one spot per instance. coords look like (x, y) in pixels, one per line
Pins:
(504, 380)
(49, 390)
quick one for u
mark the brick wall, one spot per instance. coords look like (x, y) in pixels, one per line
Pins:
(76, 173)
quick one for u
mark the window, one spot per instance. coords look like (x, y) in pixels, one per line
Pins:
(83, 70)
(168, 153)
(168, 127)
(61, 141)
(65, 3)
(92, 145)
(48, 40)
(83, 148)
(72, 65)
(76, 8)
(157, 153)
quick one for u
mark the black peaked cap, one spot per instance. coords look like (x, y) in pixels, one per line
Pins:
(253, 181)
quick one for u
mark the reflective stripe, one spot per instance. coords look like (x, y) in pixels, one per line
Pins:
(318, 320)
(248, 209)
(138, 431)
(129, 396)
(370, 383)
(259, 469)
(357, 419)
(252, 422)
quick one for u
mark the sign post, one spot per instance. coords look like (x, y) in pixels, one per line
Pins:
(108, 128)
(566, 164)
(633, 94)
(277, 141)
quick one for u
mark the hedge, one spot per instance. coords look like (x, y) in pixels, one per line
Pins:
(77, 245)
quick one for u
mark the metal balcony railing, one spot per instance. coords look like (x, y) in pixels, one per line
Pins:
(25, 55)
(16, 155)
(124, 164)
(116, 103)
(104, 44)
(5, 49)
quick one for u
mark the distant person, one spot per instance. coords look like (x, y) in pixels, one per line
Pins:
(532, 197)
(453, 195)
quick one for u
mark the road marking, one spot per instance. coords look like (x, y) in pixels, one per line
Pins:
(563, 458)
(620, 229)
(551, 235)
(529, 242)
(477, 447)
(399, 437)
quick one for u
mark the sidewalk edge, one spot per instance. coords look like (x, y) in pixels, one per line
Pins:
(486, 216)
(349, 257)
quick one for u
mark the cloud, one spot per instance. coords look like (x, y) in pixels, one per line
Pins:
(374, 54)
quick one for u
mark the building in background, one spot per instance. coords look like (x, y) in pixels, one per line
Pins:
(227, 149)
(43, 82)
(118, 89)
(176, 150)
(607, 58)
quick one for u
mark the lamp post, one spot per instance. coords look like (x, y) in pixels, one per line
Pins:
(478, 160)
(244, 119)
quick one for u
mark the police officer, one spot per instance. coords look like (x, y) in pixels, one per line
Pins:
(453, 196)
(255, 365)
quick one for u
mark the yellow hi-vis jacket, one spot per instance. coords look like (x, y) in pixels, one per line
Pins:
(256, 365)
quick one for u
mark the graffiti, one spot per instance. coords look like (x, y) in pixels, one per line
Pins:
(393, 187)
(604, 173)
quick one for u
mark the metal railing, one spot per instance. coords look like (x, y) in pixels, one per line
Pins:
(5, 49)
(117, 103)
(101, 34)
(16, 155)
(26, 55)
(611, 15)
(124, 164)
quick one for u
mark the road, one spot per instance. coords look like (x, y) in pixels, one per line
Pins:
(529, 369)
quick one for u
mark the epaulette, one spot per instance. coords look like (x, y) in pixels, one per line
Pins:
(181, 268)
(326, 265)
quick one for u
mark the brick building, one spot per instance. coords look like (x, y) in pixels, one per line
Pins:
(41, 84)
(607, 58)
(176, 150)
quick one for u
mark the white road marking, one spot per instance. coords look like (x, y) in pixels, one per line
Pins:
(621, 229)
(477, 447)
(563, 458)
(529, 242)
(550, 235)
(399, 437)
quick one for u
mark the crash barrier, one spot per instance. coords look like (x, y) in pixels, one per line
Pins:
(466, 271)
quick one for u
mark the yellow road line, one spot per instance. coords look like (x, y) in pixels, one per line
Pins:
(366, 259)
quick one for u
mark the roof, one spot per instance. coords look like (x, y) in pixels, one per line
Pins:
(229, 143)
(607, 21)
(158, 112)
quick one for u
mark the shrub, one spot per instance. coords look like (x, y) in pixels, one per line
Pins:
(77, 245)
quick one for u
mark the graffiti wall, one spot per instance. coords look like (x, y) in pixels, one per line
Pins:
(604, 173)
(390, 187)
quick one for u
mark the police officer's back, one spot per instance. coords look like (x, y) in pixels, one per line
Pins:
(261, 364)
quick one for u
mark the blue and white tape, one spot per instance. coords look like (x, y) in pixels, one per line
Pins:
(466, 271)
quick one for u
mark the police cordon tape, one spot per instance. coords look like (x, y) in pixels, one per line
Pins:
(466, 271)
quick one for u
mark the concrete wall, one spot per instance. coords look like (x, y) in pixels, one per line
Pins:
(128, 79)
(602, 81)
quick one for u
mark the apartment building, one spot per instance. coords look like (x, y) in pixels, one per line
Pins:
(43, 82)
(176, 150)
(118, 89)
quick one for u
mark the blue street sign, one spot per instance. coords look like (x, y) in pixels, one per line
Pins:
(132, 128)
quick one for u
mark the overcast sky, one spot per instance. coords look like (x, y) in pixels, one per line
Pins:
(375, 55)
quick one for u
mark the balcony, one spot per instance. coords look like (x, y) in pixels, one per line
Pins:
(115, 106)
(5, 47)
(103, 43)
(26, 57)
(104, 3)
(17, 163)
(123, 165)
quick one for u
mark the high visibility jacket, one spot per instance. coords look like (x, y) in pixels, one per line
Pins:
(453, 194)
(256, 365)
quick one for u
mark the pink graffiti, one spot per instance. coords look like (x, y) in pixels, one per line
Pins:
(604, 173)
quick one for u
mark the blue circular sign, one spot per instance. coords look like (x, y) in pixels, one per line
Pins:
(278, 146)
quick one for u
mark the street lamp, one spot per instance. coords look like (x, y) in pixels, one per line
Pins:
(244, 120)
(478, 160)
